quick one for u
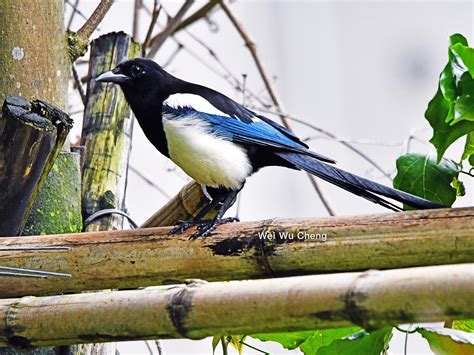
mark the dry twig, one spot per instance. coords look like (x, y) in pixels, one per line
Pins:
(157, 41)
(99, 13)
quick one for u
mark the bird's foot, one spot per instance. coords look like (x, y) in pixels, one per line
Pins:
(205, 228)
(181, 226)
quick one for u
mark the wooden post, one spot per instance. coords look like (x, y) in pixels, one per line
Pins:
(106, 134)
(31, 136)
(146, 257)
(368, 299)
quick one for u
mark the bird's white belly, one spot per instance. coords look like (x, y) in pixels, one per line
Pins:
(208, 159)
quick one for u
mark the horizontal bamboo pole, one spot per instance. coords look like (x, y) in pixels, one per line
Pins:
(147, 257)
(369, 299)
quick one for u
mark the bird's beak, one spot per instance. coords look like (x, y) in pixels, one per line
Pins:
(111, 77)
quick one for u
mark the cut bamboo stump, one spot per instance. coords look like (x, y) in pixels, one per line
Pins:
(31, 136)
(146, 257)
(368, 299)
(185, 205)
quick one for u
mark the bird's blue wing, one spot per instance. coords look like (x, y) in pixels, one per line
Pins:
(261, 131)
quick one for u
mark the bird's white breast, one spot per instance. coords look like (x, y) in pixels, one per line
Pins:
(208, 159)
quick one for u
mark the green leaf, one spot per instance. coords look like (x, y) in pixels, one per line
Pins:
(325, 337)
(420, 175)
(471, 160)
(458, 185)
(444, 341)
(464, 55)
(464, 325)
(289, 341)
(373, 343)
(464, 105)
(451, 111)
(215, 342)
(236, 342)
(438, 114)
(469, 147)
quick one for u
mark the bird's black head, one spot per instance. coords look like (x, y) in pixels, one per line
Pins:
(140, 77)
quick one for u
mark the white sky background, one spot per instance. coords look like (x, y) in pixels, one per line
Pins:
(363, 70)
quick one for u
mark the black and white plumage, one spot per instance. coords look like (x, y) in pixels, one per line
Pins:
(219, 143)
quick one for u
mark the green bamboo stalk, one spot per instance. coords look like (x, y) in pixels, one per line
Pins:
(146, 257)
(368, 299)
(106, 132)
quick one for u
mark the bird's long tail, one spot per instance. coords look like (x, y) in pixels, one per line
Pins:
(355, 184)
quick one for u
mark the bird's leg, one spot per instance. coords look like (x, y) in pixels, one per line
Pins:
(181, 226)
(206, 227)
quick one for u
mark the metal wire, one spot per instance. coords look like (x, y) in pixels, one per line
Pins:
(9, 271)
(20, 272)
(106, 212)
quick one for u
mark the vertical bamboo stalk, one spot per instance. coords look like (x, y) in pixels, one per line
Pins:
(106, 134)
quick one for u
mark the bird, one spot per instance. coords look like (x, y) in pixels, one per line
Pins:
(220, 143)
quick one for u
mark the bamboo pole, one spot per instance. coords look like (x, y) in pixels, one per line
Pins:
(368, 299)
(146, 257)
(185, 205)
(107, 132)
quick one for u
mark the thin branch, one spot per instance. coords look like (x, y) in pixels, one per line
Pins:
(154, 17)
(99, 13)
(202, 12)
(77, 80)
(75, 9)
(159, 347)
(273, 95)
(253, 51)
(173, 55)
(74, 12)
(333, 136)
(157, 41)
(136, 16)
(148, 181)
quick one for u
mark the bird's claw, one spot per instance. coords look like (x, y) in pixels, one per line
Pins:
(205, 228)
(182, 226)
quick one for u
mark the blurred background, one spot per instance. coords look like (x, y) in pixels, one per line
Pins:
(361, 70)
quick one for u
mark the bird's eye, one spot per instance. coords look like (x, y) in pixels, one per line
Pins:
(136, 71)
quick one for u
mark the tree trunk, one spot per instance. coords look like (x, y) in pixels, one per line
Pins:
(34, 62)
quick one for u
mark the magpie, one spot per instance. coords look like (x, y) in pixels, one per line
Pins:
(220, 143)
